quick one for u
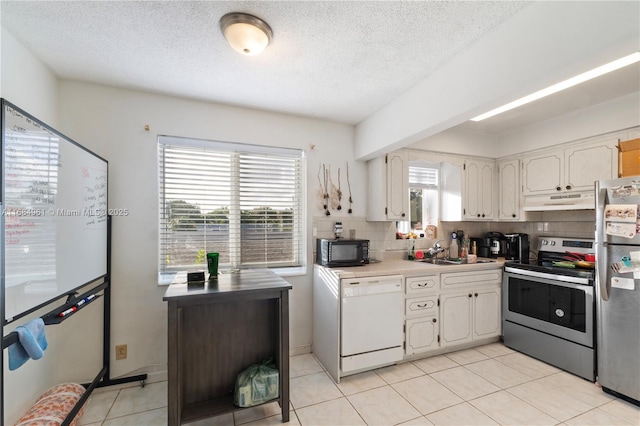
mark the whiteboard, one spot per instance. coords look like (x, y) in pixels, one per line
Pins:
(54, 213)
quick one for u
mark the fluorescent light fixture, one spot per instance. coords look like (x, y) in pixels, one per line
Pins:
(573, 81)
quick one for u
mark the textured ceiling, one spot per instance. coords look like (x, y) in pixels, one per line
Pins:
(338, 60)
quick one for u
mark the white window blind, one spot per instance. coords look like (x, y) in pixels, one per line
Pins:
(423, 176)
(241, 201)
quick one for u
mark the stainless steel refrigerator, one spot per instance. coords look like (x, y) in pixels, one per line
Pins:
(618, 287)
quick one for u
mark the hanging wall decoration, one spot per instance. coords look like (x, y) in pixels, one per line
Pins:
(330, 194)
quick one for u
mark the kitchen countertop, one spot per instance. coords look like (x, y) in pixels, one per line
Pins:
(410, 268)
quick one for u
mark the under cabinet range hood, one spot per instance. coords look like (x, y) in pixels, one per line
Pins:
(571, 201)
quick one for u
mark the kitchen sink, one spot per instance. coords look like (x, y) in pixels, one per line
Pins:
(453, 261)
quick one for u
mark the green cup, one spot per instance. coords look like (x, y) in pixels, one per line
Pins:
(212, 264)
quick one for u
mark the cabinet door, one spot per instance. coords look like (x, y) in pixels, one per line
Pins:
(585, 165)
(456, 318)
(487, 190)
(421, 334)
(479, 190)
(472, 193)
(397, 186)
(509, 194)
(486, 313)
(543, 173)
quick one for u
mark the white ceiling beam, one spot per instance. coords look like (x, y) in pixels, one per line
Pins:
(545, 43)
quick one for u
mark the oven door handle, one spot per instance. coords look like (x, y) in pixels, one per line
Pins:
(564, 278)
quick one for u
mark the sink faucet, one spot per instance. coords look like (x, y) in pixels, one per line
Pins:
(437, 248)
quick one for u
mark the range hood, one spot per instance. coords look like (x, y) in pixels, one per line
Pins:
(572, 201)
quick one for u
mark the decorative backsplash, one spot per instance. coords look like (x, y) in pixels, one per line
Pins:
(577, 224)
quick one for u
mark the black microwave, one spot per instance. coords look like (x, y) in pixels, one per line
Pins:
(336, 253)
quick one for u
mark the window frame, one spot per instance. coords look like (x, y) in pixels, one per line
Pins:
(235, 214)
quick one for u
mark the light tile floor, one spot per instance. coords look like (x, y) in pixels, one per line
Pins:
(488, 385)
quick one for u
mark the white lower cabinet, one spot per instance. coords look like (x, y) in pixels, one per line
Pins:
(486, 313)
(422, 334)
(456, 319)
(422, 326)
(454, 309)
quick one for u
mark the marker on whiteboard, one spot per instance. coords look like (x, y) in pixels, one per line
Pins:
(67, 312)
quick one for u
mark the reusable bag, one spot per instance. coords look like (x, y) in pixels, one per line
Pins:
(257, 384)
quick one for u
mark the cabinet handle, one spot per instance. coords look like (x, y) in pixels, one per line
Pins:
(422, 285)
(434, 320)
(476, 294)
(513, 215)
(470, 295)
(558, 188)
(482, 214)
(568, 186)
(403, 215)
(478, 214)
(424, 305)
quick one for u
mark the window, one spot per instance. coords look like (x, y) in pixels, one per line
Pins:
(242, 201)
(423, 197)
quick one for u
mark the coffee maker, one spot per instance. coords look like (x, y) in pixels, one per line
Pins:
(491, 244)
(517, 247)
(497, 244)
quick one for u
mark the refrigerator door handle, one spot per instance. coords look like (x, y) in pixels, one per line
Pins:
(601, 271)
(601, 199)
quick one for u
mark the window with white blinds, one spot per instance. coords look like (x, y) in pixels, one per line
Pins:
(241, 201)
(423, 176)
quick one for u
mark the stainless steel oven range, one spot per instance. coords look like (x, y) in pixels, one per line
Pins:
(548, 308)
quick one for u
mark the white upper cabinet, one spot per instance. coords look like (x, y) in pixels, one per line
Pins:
(509, 207)
(573, 169)
(543, 173)
(388, 187)
(585, 165)
(479, 190)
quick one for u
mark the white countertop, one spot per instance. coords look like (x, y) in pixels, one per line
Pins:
(410, 268)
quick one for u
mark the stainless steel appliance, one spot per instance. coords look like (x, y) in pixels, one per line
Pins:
(618, 292)
(548, 308)
(341, 252)
(517, 247)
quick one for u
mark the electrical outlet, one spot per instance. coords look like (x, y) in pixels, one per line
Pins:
(121, 352)
(352, 234)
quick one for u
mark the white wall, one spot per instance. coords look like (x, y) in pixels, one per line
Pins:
(607, 117)
(617, 114)
(28, 84)
(111, 122)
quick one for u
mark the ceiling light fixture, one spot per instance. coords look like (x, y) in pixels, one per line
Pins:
(246, 33)
(573, 81)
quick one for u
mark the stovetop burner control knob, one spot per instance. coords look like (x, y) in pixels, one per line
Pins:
(553, 243)
(545, 242)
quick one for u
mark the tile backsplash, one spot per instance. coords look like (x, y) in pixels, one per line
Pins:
(576, 224)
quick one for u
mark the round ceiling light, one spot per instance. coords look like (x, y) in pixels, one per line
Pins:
(246, 33)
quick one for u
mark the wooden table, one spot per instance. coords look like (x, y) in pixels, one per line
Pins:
(218, 329)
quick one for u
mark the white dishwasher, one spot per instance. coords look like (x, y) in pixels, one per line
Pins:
(371, 322)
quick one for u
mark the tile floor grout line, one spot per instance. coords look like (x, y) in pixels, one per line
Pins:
(106, 416)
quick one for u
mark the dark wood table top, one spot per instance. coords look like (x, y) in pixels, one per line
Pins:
(241, 281)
